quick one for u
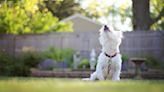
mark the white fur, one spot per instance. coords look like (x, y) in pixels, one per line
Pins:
(110, 42)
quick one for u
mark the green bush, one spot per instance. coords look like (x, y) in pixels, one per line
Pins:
(54, 53)
(152, 62)
(68, 56)
(60, 55)
(32, 59)
(5, 61)
(12, 66)
(20, 66)
(125, 57)
(84, 63)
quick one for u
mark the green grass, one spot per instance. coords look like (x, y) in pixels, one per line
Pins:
(77, 85)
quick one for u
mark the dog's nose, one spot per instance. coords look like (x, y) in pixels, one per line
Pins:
(106, 28)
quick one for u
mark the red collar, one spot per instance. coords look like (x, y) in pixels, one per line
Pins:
(109, 55)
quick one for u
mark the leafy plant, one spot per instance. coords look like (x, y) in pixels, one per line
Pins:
(152, 62)
(15, 66)
(84, 63)
(11, 66)
(53, 53)
(125, 57)
(60, 55)
(32, 59)
(5, 60)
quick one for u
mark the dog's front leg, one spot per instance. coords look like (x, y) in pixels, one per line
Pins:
(116, 71)
(116, 75)
(102, 61)
(100, 75)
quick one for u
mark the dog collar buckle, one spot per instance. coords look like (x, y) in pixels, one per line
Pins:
(110, 56)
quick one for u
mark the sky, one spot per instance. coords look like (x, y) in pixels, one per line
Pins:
(85, 3)
(116, 23)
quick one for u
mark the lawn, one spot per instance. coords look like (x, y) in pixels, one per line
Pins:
(77, 85)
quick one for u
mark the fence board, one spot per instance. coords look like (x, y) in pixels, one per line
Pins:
(136, 43)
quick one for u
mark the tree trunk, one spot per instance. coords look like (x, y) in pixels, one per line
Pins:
(141, 15)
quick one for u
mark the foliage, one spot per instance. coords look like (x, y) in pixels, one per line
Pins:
(125, 57)
(32, 59)
(60, 55)
(152, 62)
(155, 8)
(84, 63)
(159, 25)
(20, 66)
(14, 66)
(111, 13)
(23, 16)
(5, 61)
(162, 65)
(63, 8)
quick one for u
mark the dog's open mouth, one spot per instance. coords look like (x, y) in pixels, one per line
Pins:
(106, 28)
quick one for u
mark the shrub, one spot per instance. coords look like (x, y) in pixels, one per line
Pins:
(68, 56)
(84, 63)
(54, 53)
(125, 64)
(5, 62)
(125, 57)
(60, 55)
(12, 66)
(152, 62)
(32, 59)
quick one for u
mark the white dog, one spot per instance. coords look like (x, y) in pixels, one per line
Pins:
(109, 61)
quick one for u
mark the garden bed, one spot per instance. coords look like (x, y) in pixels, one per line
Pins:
(64, 73)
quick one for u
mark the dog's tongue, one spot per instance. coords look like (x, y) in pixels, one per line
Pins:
(106, 28)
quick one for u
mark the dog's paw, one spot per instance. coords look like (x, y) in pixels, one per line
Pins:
(86, 79)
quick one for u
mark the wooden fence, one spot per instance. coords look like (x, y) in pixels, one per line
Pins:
(134, 44)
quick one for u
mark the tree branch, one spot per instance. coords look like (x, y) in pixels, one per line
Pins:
(158, 17)
(47, 3)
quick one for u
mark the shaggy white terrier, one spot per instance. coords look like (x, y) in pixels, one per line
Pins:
(109, 61)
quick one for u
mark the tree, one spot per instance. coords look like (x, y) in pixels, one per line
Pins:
(142, 19)
(21, 17)
(113, 14)
(63, 8)
(144, 14)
